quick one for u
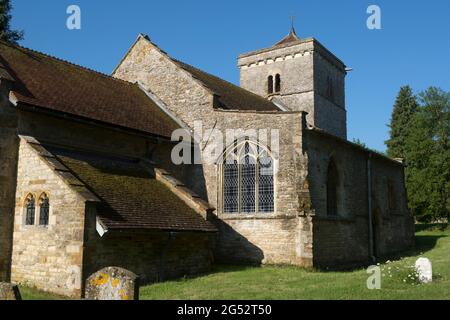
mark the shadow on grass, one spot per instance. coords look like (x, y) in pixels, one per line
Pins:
(423, 244)
(432, 227)
(228, 268)
(215, 269)
(426, 243)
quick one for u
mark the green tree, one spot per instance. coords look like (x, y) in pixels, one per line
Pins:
(360, 143)
(427, 156)
(6, 34)
(404, 109)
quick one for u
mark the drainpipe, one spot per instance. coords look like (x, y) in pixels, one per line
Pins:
(369, 201)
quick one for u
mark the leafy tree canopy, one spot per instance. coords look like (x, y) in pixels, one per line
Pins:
(404, 109)
(6, 34)
(426, 150)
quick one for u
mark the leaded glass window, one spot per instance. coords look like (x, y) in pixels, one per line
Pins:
(266, 203)
(247, 179)
(44, 209)
(248, 185)
(230, 187)
(30, 210)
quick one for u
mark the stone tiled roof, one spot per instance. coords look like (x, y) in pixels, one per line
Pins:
(55, 85)
(129, 197)
(291, 37)
(230, 96)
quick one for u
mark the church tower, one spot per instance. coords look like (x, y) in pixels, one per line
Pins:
(299, 75)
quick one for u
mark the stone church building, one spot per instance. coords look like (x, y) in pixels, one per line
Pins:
(87, 179)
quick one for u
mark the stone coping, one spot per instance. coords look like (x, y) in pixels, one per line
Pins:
(192, 199)
(62, 171)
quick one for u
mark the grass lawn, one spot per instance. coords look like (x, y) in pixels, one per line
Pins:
(295, 283)
(289, 283)
(33, 294)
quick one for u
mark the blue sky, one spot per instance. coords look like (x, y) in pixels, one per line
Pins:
(412, 48)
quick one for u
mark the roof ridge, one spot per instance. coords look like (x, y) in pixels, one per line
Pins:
(16, 46)
(212, 75)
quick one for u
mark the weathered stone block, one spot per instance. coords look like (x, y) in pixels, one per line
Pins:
(112, 283)
(9, 291)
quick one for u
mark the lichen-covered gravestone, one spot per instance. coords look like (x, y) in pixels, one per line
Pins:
(9, 291)
(112, 283)
(424, 270)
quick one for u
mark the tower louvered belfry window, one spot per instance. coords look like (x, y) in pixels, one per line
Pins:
(247, 179)
(277, 83)
(270, 85)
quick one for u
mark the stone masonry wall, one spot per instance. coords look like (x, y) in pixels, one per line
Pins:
(185, 97)
(47, 257)
(190, 101)
(295, 64)
(109, 141)
(154, 256)
(344, 240)
(9, 146)
(304, 68)
(83, 136)
(329, 112)
(393, 223)
(284, 236)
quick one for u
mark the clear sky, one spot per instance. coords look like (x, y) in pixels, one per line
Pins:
(413, 46)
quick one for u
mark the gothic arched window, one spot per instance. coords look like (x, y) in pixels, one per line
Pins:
(247, 179)
(30, 210)
(277, 83)
(332, 189)
(44, 210)
(270, 85)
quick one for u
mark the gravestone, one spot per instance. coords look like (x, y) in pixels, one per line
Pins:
(9, 291)
(424, 270)
(112, 283)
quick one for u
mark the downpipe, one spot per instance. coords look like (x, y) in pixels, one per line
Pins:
(369, 201)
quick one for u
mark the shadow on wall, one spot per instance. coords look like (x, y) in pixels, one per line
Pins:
(234, 248)
(192, 175)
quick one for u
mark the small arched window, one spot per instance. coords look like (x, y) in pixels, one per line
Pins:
(332, 189)
(44, 210)
(270, 85)
(277, 83)
(247, 179)
(30, 210)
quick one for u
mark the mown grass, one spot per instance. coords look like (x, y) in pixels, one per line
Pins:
(272, 283)
(433, 242)
(34, 294)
